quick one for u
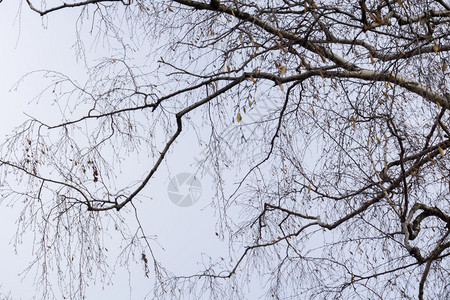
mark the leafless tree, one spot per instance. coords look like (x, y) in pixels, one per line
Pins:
(333, 113)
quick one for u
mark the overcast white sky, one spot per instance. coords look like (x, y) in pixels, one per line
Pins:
(28, 43)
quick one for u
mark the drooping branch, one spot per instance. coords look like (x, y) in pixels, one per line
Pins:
(69, 5)
(168, 145)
